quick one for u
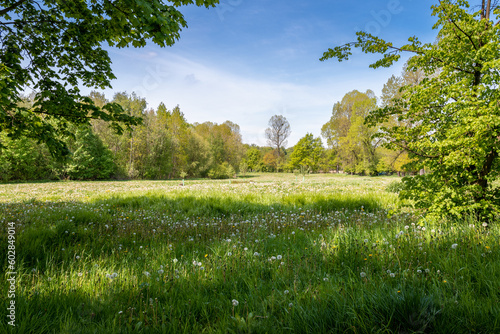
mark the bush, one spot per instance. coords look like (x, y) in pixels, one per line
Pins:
(222, 171)
(395, 187)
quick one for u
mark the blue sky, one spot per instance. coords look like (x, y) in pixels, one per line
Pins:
(248, 60)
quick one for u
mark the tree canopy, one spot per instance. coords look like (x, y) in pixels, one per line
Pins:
(449, 122)
(53, 47)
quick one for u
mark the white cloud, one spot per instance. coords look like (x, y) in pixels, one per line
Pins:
(208, 93)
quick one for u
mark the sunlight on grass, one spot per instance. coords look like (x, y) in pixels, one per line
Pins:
(331, 254)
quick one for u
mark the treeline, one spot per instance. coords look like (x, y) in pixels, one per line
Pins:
(166, 146)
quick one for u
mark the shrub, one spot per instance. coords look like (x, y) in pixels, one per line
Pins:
(221, 171)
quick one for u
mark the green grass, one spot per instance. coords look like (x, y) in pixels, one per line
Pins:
(332, 254)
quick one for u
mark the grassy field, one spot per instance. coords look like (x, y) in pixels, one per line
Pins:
(264, 253)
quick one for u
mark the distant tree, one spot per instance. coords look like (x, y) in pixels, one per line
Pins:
(90, 159)
(347, 134)
(307, 152)
(253, 158)
(277, 134)
(270, 161)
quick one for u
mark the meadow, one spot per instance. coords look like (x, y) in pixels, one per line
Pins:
(263, 253)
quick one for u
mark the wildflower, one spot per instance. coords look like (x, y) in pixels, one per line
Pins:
(485, 224)
(279, 257)
(290, 305)
(325, 279)
(175, 260)
(160, 271)
(362, 274)
(235, 302)
(392, 274)
(229, 253)
(256, 254)
(147, 273)
(120, 312)
(80, 274)
(419, 271)
(286, 292)
(77, 257)
(454, 246)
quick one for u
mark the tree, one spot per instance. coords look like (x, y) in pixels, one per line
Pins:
(253, 158)
(277, 134)
(269, 160)
(52, 47)
(347, 134)
(90, 159)
(450, 121)
(308, 153)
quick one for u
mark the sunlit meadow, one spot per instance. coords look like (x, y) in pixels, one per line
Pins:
(260, 254)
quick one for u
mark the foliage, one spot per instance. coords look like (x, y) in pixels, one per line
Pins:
(449, 121)
(90, 159)
(253, 159)
(270, 161)
(24, 159)
(221, 171)
(308, 153)
(395, 187)
(53, 47)
(243, 168)
(347, 134)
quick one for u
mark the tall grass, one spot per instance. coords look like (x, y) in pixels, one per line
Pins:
(323, 256)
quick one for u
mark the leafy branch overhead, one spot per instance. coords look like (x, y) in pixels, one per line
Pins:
(54, 47)
(449, 122)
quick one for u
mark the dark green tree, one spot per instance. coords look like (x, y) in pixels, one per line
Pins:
(90, 159)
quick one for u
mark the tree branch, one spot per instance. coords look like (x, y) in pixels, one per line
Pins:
(404, 147)
(13, 6)
(456, 25)
(423, 53)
